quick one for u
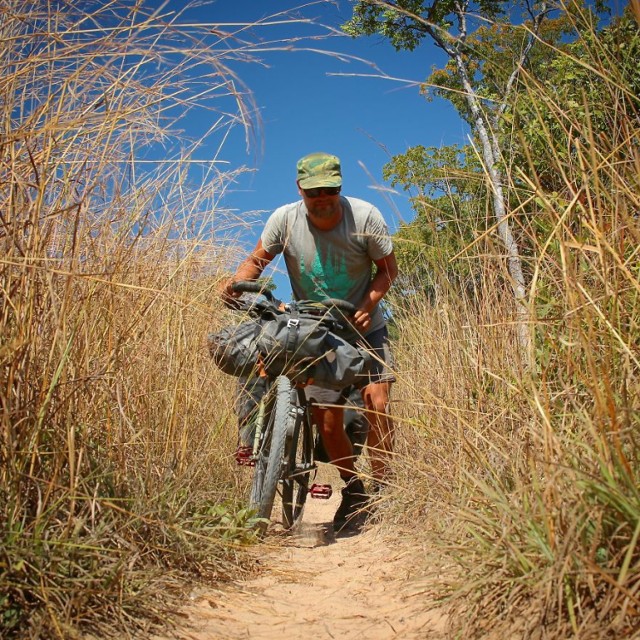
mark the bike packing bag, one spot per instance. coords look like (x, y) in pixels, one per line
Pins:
(342, 364)
(235, 349)
(304, 349)
(292, 337)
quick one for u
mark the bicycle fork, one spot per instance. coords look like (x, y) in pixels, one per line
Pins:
(299, 422)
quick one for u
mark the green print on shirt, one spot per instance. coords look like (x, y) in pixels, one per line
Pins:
(324, 281)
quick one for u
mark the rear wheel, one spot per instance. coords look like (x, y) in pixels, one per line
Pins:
(270, 455)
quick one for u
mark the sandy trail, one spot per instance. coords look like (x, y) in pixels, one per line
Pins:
(315, 584)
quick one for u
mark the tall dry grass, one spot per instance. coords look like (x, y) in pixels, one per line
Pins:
(527, 468)
(114, 449)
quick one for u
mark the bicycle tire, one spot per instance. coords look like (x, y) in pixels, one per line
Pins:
(298, 467)
(264, 427)
(270, 456)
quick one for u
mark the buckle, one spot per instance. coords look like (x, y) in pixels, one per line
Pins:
(293, 322)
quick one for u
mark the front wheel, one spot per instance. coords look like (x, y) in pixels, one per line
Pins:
(298, 469)
(278, 417)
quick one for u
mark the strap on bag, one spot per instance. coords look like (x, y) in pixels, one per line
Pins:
(293, 333)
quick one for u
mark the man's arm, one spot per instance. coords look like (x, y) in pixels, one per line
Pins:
(386, 273)
(250, 269)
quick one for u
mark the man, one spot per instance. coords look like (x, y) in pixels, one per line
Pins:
(337, 247)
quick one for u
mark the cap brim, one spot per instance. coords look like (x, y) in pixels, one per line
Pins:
(320, 181)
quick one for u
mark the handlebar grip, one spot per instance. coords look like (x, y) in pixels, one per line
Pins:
(247, 286)
(343, 305)
(252, 286)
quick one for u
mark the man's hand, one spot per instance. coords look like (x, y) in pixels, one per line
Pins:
(250, 269)
(228, 295)
(361, 320)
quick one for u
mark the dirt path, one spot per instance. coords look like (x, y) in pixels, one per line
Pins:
(317, 585)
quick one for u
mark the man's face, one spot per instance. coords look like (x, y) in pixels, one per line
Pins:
(323, 203)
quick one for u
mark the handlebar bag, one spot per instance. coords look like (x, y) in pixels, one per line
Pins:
(292, 337)
(305, 349)
(343, 364)
(235, 349)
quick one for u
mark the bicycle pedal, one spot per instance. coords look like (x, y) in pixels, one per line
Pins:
(321, 491)
(244, 457)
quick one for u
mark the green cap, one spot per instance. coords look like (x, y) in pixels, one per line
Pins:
(319, 170)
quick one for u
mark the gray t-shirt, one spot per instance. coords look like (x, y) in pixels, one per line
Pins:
(330, 264)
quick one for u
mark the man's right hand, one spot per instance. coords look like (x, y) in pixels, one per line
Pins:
(361, 320)
(249, 269)
(228, 295)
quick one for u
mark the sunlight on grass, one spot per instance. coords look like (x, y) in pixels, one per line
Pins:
(116, 467)
(115, 463)
(526, 470)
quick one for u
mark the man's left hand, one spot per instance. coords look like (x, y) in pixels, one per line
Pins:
(361, 320)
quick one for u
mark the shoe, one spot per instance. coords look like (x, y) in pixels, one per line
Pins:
(354, 501)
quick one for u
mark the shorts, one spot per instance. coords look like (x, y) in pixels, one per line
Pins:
(377, 344)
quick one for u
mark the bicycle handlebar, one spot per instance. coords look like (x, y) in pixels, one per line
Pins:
(333, 311)
(342, 305)
(252, 286)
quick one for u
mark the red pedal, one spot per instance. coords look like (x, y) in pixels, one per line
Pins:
(244, 457)
(321, 491)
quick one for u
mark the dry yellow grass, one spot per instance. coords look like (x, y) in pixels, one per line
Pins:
(115, 470)
(115, 466)
(526, 469)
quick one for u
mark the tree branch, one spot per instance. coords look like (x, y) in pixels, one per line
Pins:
(533, 36)
(438, 33)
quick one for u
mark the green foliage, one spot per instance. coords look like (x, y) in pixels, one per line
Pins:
(406, 22)
(479, 79)
(580, 99)
(11, 613)
(230, 520)
(450, 187)
(492, 53)
(541, 133)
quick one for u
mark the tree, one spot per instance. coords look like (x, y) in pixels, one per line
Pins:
(581, 102)
(450, 24)
(449, 183)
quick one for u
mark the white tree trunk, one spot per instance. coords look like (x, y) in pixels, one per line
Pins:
(490, 157)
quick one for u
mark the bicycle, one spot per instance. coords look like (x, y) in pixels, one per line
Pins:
(285, 439)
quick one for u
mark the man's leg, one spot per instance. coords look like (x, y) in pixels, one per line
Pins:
(336, 442)
(340, 451)
(381, 429)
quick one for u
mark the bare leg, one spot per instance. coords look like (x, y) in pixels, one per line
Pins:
(335, 440)
(381, 429)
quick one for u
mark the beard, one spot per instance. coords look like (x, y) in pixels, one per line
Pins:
(325, 211)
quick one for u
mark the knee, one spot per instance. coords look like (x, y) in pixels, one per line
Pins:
(376, 398)
(329, 422)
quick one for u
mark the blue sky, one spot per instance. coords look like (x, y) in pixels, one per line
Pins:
(305, 103)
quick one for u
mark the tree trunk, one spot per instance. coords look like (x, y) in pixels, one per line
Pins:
(490, 157)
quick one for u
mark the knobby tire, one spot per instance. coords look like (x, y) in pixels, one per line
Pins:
(270, 457)
(298, 467)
